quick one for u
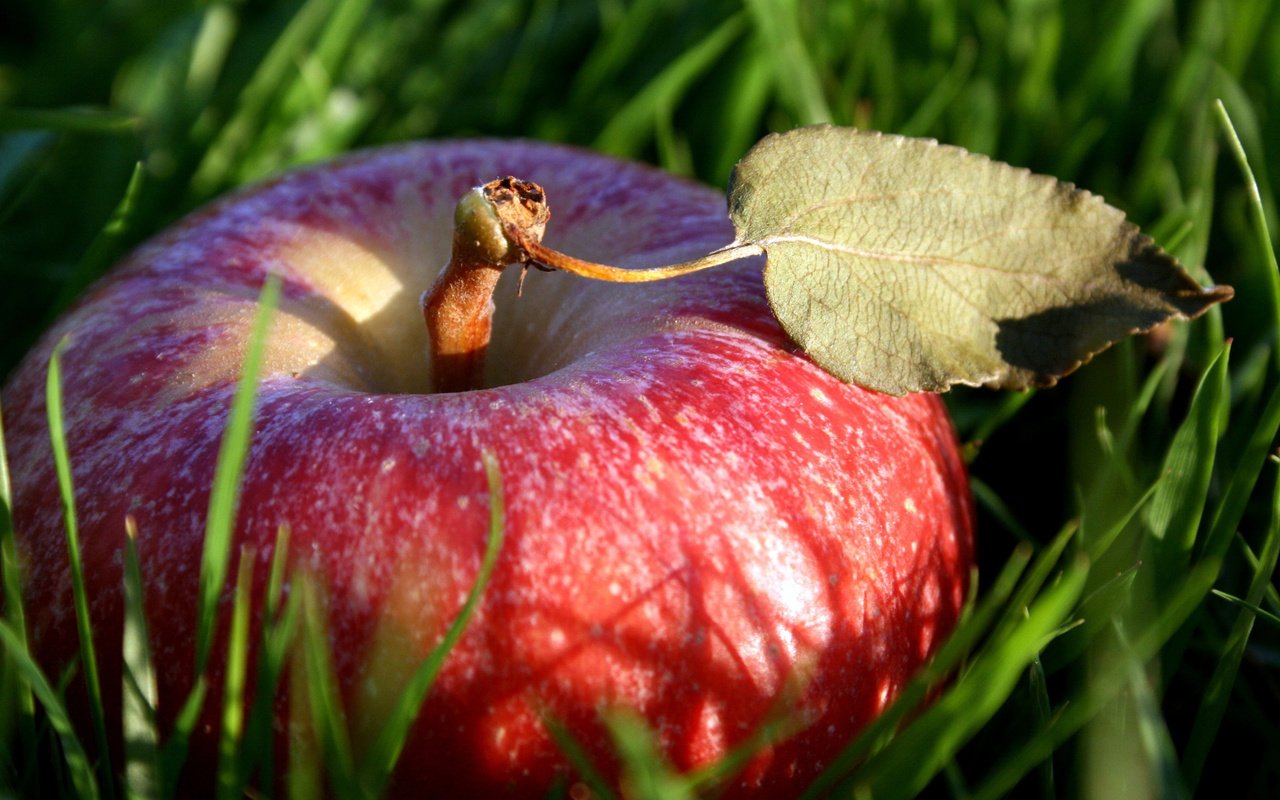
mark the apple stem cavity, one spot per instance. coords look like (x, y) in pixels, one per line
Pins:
(495, 226)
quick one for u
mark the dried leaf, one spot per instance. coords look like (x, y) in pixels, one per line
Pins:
(904, 265)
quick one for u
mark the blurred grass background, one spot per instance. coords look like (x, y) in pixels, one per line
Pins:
(119, 116)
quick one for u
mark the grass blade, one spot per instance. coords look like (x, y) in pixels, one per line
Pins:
(1152, 731)
(1043, 566)
(107, 244)
(1100, 690)
(633, 124)
(235, 139)
(645, 774)
(73, 754)
(995, 505)
(66, 489)
(1261, 612)
(219, 526)
(1099, 544)
(141, 735)
(943, 95)
(323, 701)
(925, 747)
(277, 634)
(795, 78)
(381, 757)
(174, 753)
(69, 120)
(1173, 515)
(225, 494)
(229, 785)
(16, 700)
(958, 646)
(1213, 705)
(578, 758)
(1230, 509)
(1038, 689)
(779, 724)
(1258, 215)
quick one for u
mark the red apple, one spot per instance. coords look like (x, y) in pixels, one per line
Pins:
(698, 518)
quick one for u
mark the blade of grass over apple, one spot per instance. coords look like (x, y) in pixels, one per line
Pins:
(257, 752)
(966, 636)
(577, 756)
(645, 773)
(780, 723)
(229, 779)
(224, 496)
(325, 719)
(174, 753)
(304, 770)
(84, 626)
(74, 758)
(377, 764)
(1213, 705)
(17, 704)
(924, 747)
(142, 775)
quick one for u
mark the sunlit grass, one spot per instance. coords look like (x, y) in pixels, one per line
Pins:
(1128, 532)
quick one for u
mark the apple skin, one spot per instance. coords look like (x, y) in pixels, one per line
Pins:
(699, 520)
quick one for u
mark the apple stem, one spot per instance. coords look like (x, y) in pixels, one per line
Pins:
(495, 226)
(458, 308)
(459, 315)
(544, 256)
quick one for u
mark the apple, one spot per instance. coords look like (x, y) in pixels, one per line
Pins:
(701, 523)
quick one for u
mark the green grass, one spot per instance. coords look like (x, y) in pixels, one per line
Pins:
(1122, 638)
